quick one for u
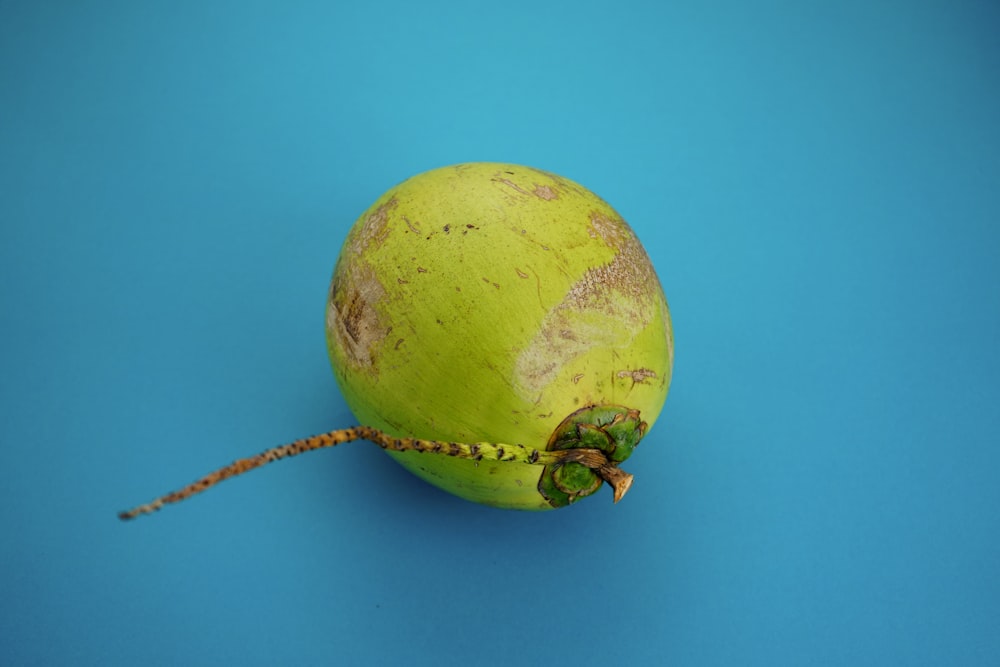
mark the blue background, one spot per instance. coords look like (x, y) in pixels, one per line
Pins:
(818, 185)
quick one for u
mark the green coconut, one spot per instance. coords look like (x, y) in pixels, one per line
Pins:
(490, 302)
(499, 331)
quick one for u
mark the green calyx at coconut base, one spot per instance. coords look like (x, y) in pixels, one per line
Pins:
(500, 332)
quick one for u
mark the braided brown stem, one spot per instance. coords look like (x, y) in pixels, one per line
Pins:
(479, 451)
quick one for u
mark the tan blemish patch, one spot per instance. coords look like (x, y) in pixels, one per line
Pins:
(607, 229)
(545, 192)
(353, 316)
(638, 376)
(374, 230)
(606, 307)
(539, 362)
(630, 272)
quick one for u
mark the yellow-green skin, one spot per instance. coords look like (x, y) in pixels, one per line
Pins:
(485, 302)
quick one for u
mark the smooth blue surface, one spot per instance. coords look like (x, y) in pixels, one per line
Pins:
(818, 185)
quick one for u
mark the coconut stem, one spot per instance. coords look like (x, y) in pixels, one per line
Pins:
(619, 480)
(480, 451)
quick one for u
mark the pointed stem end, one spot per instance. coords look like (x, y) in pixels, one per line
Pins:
(619, 480)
